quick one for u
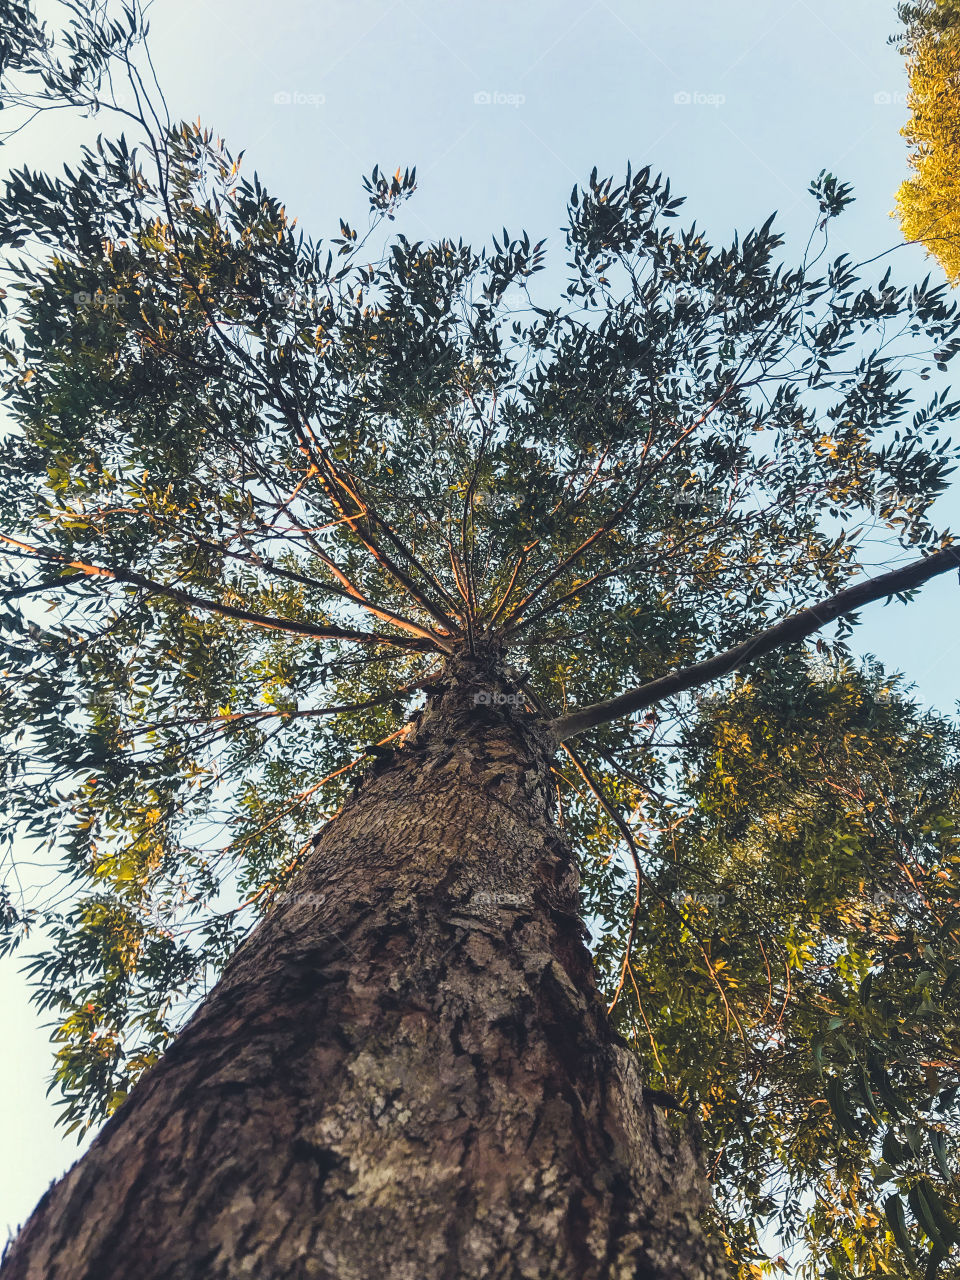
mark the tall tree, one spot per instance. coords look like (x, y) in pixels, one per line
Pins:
(929, 202)
(377, 633)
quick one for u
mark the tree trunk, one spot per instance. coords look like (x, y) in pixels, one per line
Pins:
(406, 1070)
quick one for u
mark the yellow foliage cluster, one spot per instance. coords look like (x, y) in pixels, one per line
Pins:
(928, 204)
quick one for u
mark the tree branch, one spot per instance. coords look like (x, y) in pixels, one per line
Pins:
(224, 610)
(350, 592)
(784, 633)
(612, 521)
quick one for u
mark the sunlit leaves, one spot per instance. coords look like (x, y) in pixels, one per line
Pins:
(816, 863)
(929, 203)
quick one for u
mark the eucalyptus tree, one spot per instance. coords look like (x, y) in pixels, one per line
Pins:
(379, 632)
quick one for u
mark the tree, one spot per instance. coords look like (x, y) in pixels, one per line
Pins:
(929, 202)
(378, 631)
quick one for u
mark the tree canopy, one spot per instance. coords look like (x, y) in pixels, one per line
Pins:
(256, 486)
(929, 202)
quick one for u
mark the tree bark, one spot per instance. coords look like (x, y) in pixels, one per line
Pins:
(406, 1070)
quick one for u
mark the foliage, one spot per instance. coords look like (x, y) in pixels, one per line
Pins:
(43, 67)
(803, 895)
(929, 202)
(255, 487)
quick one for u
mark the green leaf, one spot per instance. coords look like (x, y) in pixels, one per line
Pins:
(893, 1209)
(835, 1097)
(939, 1146)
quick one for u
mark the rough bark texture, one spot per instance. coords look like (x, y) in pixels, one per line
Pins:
(406, 1070)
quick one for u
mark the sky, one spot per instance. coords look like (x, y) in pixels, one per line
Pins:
(503, 107)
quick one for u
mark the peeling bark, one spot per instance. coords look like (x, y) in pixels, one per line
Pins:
(405, 1071)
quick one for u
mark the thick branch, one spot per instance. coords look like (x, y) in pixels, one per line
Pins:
(784, 633)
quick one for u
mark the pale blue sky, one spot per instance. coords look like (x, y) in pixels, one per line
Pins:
(777, 91)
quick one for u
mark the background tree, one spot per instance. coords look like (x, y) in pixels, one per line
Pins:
(929, 202)
(264, 499)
